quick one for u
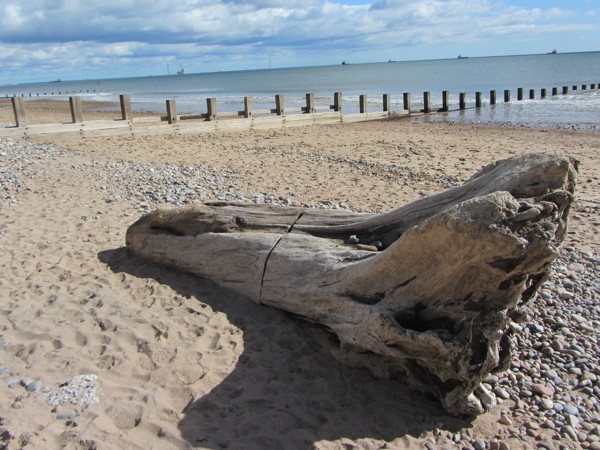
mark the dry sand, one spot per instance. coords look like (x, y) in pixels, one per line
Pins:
(183, 363)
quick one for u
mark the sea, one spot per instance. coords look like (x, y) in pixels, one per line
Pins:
(579, 108)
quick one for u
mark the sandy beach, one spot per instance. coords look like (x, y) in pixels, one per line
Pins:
(182, 363)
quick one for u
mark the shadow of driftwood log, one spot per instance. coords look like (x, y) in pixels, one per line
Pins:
(286, 391)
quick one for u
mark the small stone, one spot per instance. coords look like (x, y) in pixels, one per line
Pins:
(505, 420)
(34, 386)
(491, 379)
(18, 405)
(369, 248)
(570, 409)
(546, 403)
(542, 390)
(4, 371)
(69, 415)
(565, 295)
(581, 436)
(479, 444)
(568, 430)
(576, 267)
(502, 393)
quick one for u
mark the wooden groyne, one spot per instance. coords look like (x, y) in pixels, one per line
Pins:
(248, 117)
(213, 120)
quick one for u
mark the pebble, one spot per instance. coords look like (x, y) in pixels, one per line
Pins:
(546, 403)
(479, 444)
(570, 409)
(34, 386)
(69, 415)
(542, 390)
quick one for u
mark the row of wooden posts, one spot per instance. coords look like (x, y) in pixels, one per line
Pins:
(281, 110)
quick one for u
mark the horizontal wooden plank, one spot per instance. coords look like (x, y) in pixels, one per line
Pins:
(104, 124)
(197, 127)
(193, 116)
(331, 117)
(153, 129)
(230, 114)
(106, 132)
(238, 124)
(12, 132)
(260, 123)
(399, 113)
(299, 118)
(53, 128)
(146, 119)
(351, 118)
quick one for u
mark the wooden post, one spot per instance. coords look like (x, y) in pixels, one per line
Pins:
(310, 104)
(445, 100)
(520, 94)
(543, 93)
(76, 111)
(492, 97)
(247, 107)
(478, 97)
(171, 112)
(280, 105)
(554, 91)
(362, 101)
(584, 87)
(506, 95)
(125, 101)
(531, 94)
(211, 107)
(19, 109)
(574, 87)
(462, 100)
(426, 102)
(337, 101)
(592, 86)
(565, 90)
(406, 101)
(386, 102)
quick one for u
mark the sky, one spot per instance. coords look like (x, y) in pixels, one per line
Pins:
(44, 40)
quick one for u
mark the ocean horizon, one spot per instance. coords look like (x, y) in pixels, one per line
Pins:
(458, 75)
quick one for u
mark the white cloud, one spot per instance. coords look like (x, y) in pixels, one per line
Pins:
(96, 33)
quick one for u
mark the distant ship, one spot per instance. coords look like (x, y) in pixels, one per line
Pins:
(462, 57)
(344, 63)
(181, 71)
(553, 52)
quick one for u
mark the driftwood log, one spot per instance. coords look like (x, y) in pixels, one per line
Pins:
(427, 290)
